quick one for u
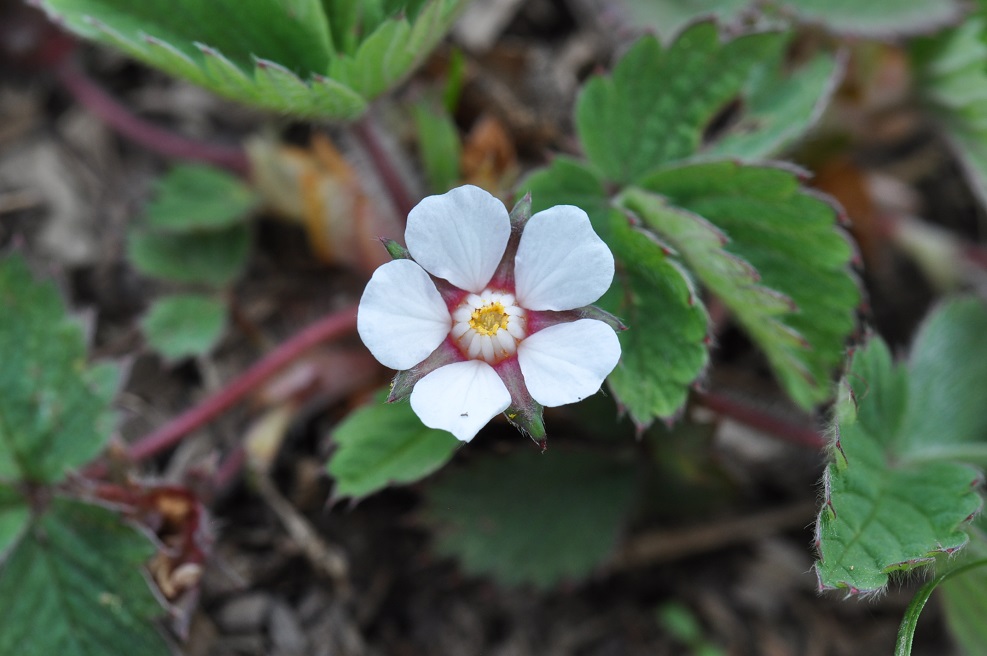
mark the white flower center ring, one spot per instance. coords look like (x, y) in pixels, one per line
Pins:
(488, 326)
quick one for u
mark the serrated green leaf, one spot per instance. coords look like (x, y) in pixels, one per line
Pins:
(276, 54)
(879, 18)
(213, 258)
(184, 325)
(439, 145)
(895, 494)
(529, 518)
(568, 182)
(396, 46)
(385, 443)
(73, 586)
(194, 197)
(654, 107)
(771, 252)
(953, 83)
(778, 108)
(14, 517)
(664, 350)
(54, 411)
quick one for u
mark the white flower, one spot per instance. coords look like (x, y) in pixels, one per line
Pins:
(482, 316)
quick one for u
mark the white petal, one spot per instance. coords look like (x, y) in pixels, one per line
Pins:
(402, 318)
(567, 362)
(460, 236)
(460, 398)
(561, 263)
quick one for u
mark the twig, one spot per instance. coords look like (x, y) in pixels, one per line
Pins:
(326, 559)
(94, 98)
(367, 134)
(329, 327)
(787, 430)
(664, 546)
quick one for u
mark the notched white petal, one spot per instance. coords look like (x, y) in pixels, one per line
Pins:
(459, 236)
(460, 398)
(402, 318)
(561, 263)
(567, 362)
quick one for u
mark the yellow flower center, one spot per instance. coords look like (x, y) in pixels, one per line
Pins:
(488, 326)
(489, 319)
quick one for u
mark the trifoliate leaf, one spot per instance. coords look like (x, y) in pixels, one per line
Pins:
(280, 56)
(771, 252)
(778, 108)
(654, 107)
(385, 443)
(54, 411)
(212, 258)
(898, 491)
(14, 517)
(664, 349)
(73, 586)
(184, 325)
(879, 18)
(952, 79)
(194, 197)
(528, 518)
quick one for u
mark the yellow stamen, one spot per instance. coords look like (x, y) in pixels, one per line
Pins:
(489, 319)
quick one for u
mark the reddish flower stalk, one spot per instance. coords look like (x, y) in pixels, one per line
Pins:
(763, 421)
(116, 115)
(329, 327)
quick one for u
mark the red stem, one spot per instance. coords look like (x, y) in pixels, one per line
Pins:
(329, 327)
(119, 117)
(789, 431)
(367, 134)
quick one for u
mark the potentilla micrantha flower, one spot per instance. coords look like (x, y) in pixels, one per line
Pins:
(487, 312)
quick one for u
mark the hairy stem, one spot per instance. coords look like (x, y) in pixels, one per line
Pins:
(329, 327)
(366, 132)
(782, 428)
(119, 117)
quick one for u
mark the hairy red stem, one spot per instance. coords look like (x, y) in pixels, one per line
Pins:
(396, 189)
(329, 327)
(787, 430)
(96, 99)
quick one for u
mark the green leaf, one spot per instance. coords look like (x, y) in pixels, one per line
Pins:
(771, 253)
(195, 197)
(657, 103)
(14, 517)
(895, 496)
(54, 411)
(952, 80)
(385, 443)
(531, 518)
(880, 18)
(778, 108)
(212, 258)
(276, 54)
(184, 325)
(439, 144)
(664, 349)
(73, 586)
